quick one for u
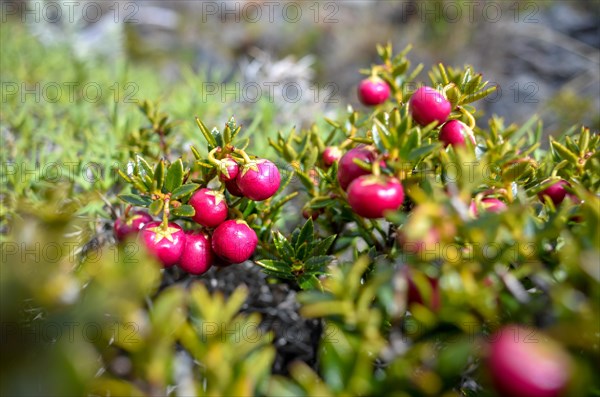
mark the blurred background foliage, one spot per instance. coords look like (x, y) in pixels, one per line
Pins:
(81, 316)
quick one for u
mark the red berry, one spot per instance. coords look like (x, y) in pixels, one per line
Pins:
(371, 196)
(428, 243)
(166, 245)
(211, 207)
(489, 204)
(454, 132)
(131, 225)
(524, 363)
(233, 188)
(197, 256)
(259, 180)
(373, 91)
(556, 192)
(492, 204)
(331, 154)
(311, 213)
(234, 241)
(229, 169)
(428, 105)
(348, 170)
(431, 300)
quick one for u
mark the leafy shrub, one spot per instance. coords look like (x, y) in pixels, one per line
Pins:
(408, 303)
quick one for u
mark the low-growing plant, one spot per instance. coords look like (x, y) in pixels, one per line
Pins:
(433, 244)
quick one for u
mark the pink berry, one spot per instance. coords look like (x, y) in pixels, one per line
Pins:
(331, 154)
(429, 241)
(234, 241)
(229, 169)
(523, 362)
(211, 207)
(233, 188)
(428, 105)
(166, 245)
(454, 133)
(348, 170)
(372, 196)
(131, 225)
(489, 204)
(414, 295)
(197, 256)
(259, 180)
(373, 91)
(556, 192)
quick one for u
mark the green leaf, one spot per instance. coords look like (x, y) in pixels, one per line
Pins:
(274, 265)
(184, 190)
(564, 153)
(125, 177)
(302, 251)
(283, 247)
(136, 199)
(422, 151)
(306, 234)
(185, 210)
(143, 164)
(159, 174)
(156, 207)
(309, 282)
(323, 246)
(212, 142)
(318, 263)
(196, 153)
(272, 273)
(174, 176)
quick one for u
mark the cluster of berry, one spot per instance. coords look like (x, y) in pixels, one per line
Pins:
(231, 241)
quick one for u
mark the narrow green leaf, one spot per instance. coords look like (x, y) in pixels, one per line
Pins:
(309, 282)
(307, 233)
(185, 210)
(156, 207)
(207, 135)
(584, 141)
(196, 153)
(143, 164)
(318, 263)
(135, 199)
(184, 190)
(478, 95)
(174, 176)
(283, 246)
(322, 247)
(302, 251)
(274, 265)
(125, 177)
(564, 153)
(159, 174)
